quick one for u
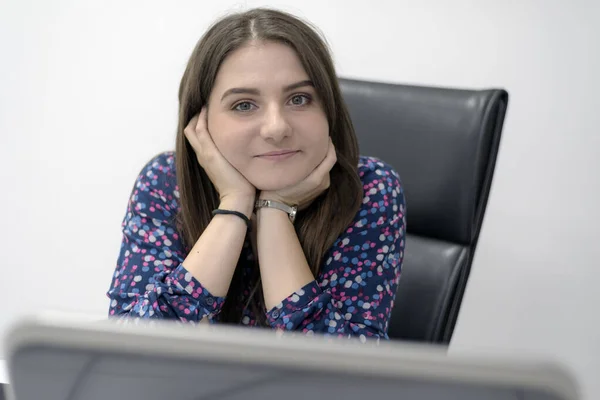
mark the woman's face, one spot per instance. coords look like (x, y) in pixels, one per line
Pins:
(265, 117)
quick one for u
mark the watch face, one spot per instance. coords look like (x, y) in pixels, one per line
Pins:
(293, 214)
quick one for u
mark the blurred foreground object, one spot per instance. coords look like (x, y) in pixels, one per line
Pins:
(59, 358)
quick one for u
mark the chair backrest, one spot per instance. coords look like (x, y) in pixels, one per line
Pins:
(443, 142)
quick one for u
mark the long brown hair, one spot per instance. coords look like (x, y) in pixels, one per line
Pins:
(329, 215)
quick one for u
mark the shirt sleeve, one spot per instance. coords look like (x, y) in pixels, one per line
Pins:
(150, 280)
(354, 292)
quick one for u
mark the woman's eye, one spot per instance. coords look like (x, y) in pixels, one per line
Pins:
(300, 100)
(243, 106)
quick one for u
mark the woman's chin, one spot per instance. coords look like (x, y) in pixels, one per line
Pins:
(273, 186)
(270, 187)
(278, 179)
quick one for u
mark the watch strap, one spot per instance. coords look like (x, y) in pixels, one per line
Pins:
(289, 210)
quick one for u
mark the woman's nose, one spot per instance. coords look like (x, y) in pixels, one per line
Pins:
(275, 127)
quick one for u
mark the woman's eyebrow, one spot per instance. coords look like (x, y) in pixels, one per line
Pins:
(297, 85)
(256, 92)
(231, 91)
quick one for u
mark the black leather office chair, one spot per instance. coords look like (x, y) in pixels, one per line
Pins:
(443, 143)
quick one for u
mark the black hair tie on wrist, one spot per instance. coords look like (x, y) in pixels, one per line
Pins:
(231, 212)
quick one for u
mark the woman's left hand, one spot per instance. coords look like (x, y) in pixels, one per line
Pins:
(304, 192)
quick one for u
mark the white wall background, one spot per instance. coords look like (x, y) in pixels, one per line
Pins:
(88, 95)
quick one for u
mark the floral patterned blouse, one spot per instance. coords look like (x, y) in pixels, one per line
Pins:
(352, 295)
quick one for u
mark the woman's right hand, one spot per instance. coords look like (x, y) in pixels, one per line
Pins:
(234, 190)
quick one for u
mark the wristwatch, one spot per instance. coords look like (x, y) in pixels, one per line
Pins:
(289, 210)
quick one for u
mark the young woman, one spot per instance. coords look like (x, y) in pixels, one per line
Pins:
(265, 215)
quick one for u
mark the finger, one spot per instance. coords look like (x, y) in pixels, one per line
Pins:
(190, 131)
(201, 121)
(207, 146)
(328, 162)
(332, 152)
(321, 172)
(202, 130)
(191, 125)
(326, 182)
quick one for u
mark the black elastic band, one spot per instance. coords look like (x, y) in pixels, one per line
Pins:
(231, 212)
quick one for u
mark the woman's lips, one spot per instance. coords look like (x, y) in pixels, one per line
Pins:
(278, 155)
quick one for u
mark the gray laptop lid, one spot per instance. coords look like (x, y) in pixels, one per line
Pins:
(61, 359)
